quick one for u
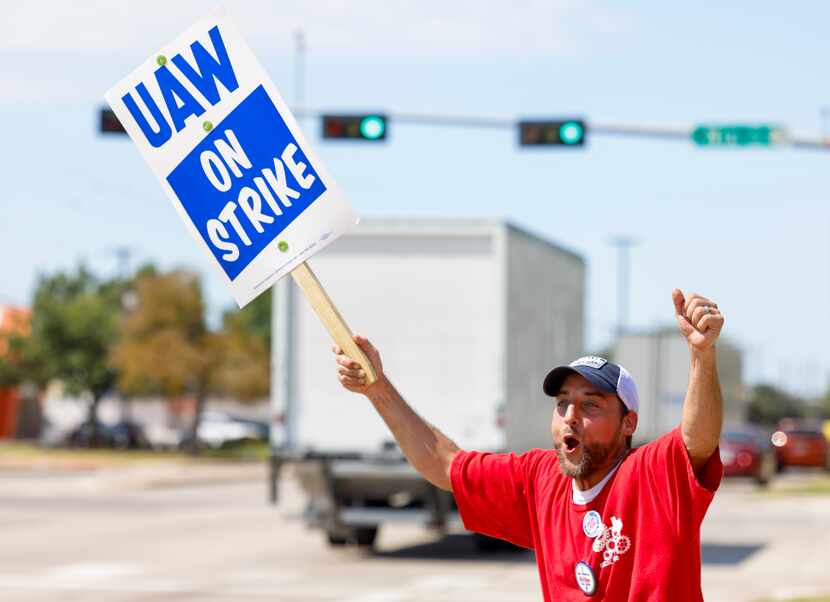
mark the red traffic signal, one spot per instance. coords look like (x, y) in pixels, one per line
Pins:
(109, 123)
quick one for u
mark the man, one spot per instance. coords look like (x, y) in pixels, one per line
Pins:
(605, 521)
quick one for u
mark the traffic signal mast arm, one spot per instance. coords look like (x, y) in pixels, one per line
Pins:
(108, 123)
(602, 129)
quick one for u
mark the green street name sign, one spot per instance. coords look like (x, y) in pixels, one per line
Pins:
(738, 135)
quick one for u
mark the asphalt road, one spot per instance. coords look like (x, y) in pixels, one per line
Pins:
(115, 536)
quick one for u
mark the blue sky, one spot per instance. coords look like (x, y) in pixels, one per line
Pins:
(750, 228)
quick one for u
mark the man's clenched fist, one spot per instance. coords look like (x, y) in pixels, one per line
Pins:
(699, 319)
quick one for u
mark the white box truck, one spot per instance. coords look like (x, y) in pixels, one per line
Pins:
(468, 316)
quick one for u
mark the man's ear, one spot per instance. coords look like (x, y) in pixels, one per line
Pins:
(629, 424)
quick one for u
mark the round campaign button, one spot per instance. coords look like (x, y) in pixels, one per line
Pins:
(585, 578)
(592, 524)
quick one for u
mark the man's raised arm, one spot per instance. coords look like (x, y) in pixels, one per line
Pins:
(700, 321)
(428, 450)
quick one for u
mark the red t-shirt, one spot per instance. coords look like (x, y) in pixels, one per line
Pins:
(640, 535)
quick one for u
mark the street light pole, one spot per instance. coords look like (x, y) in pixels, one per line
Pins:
(299, 69)
(623, 245)
(123, 254)
(282, 410)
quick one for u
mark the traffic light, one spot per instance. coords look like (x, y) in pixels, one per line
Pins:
(371, 128)
(110, 124)
(566, 132)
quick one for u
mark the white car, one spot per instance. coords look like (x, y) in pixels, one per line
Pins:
(217, 429)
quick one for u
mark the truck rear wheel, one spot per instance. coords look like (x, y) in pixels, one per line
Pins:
(360, 536)
(365, 536)
(335, 539)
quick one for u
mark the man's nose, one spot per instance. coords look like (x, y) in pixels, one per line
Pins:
(571, 414)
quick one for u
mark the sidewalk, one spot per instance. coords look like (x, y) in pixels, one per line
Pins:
(110, 470)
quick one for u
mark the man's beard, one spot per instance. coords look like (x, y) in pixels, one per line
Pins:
(593, 457)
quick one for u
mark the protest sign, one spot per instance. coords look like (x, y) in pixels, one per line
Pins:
(232, 159)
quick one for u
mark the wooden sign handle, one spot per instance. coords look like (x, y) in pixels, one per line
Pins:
(331, 318)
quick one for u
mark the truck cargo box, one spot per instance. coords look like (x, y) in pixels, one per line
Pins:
(468, 315)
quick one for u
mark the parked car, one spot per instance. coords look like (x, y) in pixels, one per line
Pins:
(800, 444)
(125, 434)
(217, 430)
(163, 437)
(746, 452)
(128, 434)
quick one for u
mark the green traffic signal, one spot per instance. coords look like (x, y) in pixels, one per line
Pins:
(571, 132)
(366, 127)
(372, 127)
(559, 132)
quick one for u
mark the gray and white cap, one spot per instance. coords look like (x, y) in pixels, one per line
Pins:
(606, 376)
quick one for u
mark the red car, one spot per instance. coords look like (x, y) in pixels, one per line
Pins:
(800, 445)
(746, 453)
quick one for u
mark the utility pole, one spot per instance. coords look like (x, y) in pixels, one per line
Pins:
(123, 255)
(623, 245)
(299, 69)
(282, 411)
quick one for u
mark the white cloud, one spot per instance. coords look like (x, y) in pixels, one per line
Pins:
(56, 52)
(390, 28)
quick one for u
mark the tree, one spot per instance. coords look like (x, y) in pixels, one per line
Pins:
(768, 404)
(253, 319)
(19, 373)
(14, 366)
(73, 325)
(165, 346)
(245, 340)
(823, 405)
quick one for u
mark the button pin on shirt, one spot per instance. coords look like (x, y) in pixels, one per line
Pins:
(592, 524)
(585, 578)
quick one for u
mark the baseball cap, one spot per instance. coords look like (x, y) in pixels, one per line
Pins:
(606, 376)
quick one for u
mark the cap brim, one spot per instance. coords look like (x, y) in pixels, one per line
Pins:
(553, 381)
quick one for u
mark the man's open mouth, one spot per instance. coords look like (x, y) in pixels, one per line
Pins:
(570, 443)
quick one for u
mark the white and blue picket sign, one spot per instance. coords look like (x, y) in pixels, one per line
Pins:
(231, 156)
(245, 182)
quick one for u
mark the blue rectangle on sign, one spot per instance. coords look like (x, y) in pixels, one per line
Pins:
(245, 182)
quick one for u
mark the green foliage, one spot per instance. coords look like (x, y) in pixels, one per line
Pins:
(768, 404)
(823, 406)
(253, 319)
(12, 364)
(147, 335)
(74, 319)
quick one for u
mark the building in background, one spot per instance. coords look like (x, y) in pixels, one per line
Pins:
(659, 362)
(13, 320)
